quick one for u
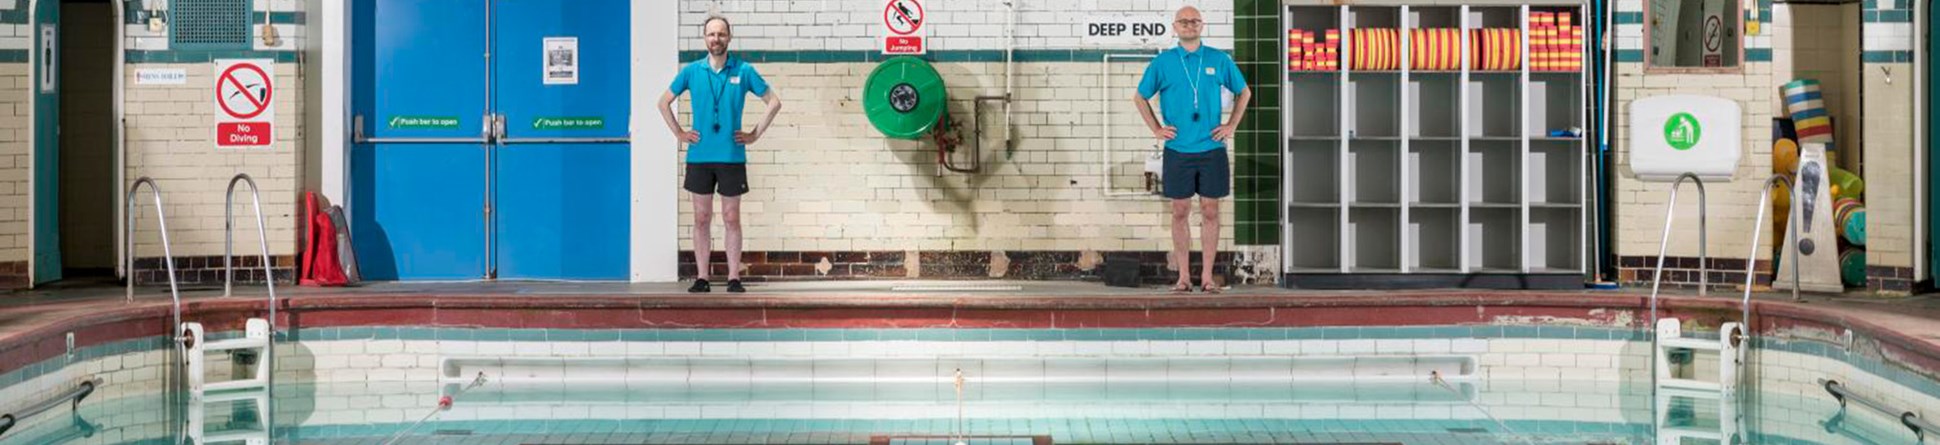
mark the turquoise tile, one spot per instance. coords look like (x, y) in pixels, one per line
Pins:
(897, 335)
(1521, 332)
(680, 335)
(1453, 332)
(493, 334)
(417, 334)
(1557, 332)
(936, 335)
(602, 335)
(823, 334)
(715, 335)
(973, 335)
(526, 334)
(1340, 333)
(860, 335)
(760, 335)
(787, 335)
(1083, 334)
(356, 333)
(1306, 333)
(1190, 334)
(639, 335)
(1011, 335)
(1266, 334)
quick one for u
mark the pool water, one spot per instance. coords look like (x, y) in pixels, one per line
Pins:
(1486, 385)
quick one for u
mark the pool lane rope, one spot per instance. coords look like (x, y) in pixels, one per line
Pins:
(444, 404)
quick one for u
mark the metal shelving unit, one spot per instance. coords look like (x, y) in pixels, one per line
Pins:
(1405, 178)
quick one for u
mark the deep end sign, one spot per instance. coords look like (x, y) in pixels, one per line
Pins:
(1127, 31)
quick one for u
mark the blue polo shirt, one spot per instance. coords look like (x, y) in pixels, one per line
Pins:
(1172, 76)
(717, 100)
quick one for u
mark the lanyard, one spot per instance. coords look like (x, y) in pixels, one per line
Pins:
(720, 89)
(1193, 81)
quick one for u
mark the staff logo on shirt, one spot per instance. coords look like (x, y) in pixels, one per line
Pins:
(1210, 71)
(736, 80)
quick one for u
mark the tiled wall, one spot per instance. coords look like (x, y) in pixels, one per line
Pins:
(15, 128)
(1639, 206)
(1887, 132)
(171, 138)
(1549, 379)
(825, 180)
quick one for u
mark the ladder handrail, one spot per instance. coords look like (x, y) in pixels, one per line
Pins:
(1663, 247)
(1911, 420)
(72, 396)
(269, 276)
(168, 255)
(1757, 228)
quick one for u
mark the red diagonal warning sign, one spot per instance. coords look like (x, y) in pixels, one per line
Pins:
(243, 91)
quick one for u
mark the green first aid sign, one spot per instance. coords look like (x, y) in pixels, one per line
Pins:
(1682, 131)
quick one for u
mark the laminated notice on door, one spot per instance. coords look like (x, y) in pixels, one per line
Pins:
(562, 61)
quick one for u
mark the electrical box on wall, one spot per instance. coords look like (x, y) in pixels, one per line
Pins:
(1678, 134)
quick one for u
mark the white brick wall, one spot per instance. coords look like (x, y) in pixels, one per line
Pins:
(825, 179)
(171, 138)
(1888, 130)
(15, 166)
(957, 24)
(1641, 205)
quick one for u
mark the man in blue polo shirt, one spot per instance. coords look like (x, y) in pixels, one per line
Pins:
(1187, 80)
(717, 149)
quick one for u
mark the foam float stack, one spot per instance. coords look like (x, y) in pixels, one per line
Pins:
(1313, 50)
(1556, 44)
(1496, 49)
(1435, 49)
(1807, 106)
(1375, 49)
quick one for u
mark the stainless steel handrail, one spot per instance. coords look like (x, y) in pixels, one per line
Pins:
(269, 274)
(168, 256)
(1758, 227)
(1911, 420)
(1663, 247)
(71, 396)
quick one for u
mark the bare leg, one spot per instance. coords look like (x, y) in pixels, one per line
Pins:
(703, 218)
(1208, 239)
(731, 219)
(1182, 241)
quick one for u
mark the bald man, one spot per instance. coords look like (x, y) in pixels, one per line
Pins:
(1187, 80)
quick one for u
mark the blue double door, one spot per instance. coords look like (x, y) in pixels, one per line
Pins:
(490, 139)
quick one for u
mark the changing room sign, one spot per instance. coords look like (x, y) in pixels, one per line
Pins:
(1123, 31)
(245, 91)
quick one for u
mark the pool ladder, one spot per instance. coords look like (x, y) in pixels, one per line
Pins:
(1668, 332)
(258, 340)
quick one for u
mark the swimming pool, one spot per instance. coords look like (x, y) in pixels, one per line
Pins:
(1566, 382)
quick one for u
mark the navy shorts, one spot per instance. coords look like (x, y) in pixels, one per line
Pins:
(730, 180)
(1207, 174)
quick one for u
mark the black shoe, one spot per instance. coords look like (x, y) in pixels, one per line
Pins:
(699, 287)
(734, 287)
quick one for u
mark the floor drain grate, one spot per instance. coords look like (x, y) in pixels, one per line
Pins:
(452, 433)
(1468, 430)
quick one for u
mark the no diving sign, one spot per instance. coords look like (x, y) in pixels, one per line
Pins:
(904, 27)
(245, 112)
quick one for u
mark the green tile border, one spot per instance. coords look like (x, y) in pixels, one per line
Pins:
(1886, 57)
(196, 56)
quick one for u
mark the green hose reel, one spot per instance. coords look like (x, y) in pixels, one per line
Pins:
(904, 97)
